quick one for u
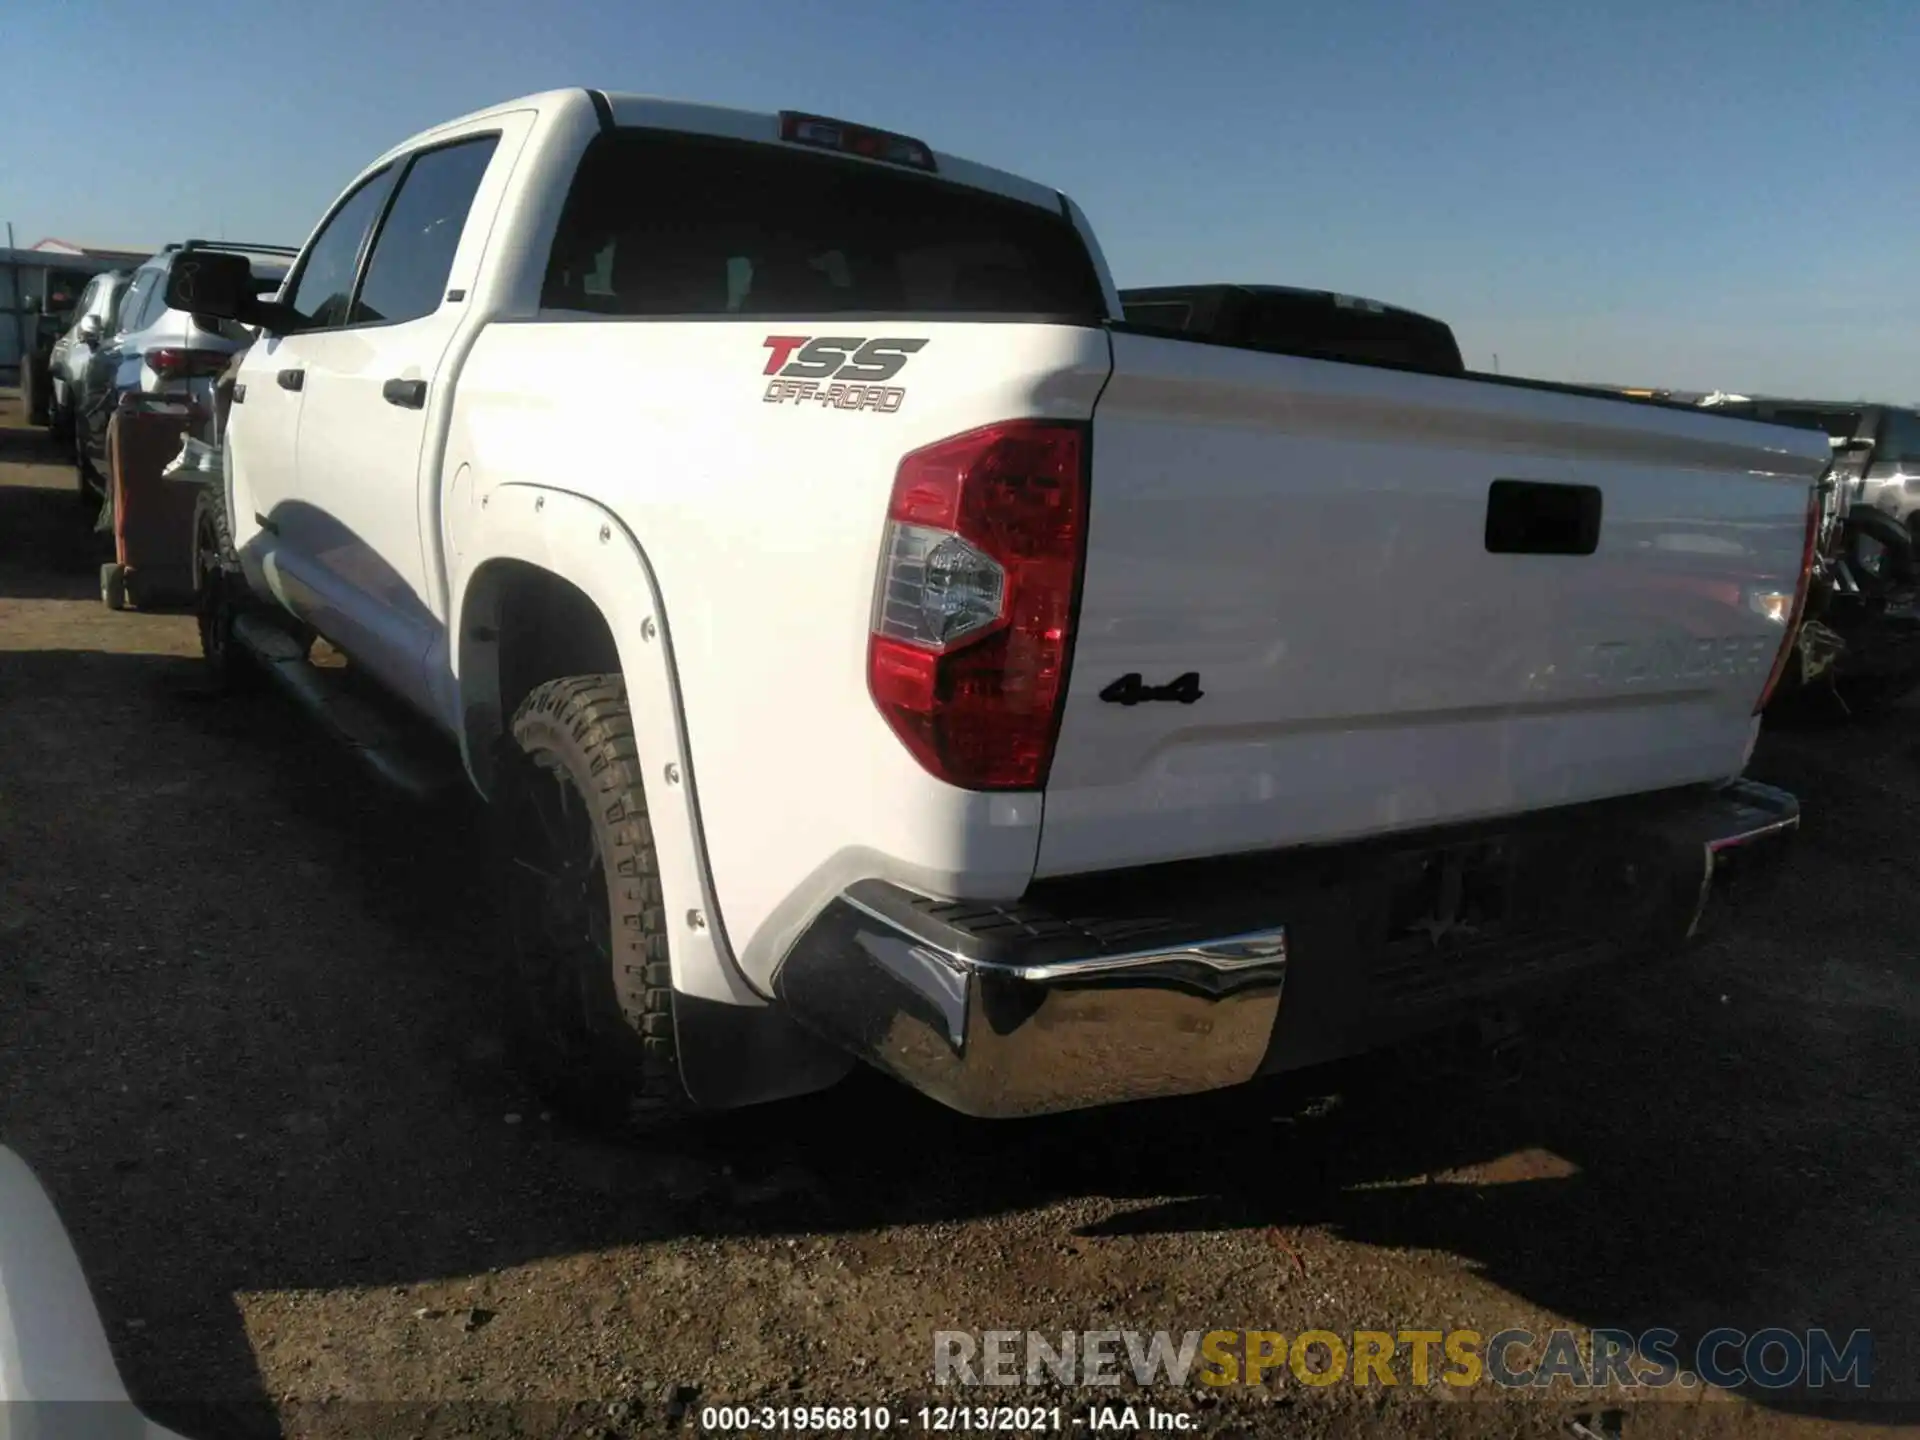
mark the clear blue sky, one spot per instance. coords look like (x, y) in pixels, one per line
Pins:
(1693, 193)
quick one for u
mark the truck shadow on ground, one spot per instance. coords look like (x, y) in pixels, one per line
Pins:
(252, 1043)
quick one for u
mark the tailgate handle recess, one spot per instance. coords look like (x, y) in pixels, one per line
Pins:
(1536, 517)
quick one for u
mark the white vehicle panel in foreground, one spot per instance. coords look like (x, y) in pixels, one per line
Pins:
(57, 1376)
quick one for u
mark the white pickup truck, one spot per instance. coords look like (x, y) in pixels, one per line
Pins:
(872, 647)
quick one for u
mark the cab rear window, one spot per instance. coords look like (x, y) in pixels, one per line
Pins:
(662, 224)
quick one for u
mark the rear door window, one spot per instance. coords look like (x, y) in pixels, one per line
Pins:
(413, 256)
(1899, 439)
(1838, 424)
(325, 286)
(1159, 314)
(662, 224)
(135, 300)
(156, 302)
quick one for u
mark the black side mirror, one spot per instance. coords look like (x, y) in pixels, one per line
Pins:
(90, 330)
(215, 285)
(212, 283)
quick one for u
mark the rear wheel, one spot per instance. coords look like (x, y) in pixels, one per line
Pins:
(1880, 549)
(217, 590)
(113, 585)
(33, 389)
(92, 491)
(589, 986)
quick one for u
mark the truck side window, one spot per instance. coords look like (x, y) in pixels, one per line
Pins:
(1159, 314)
(413, 255)
(135, 300)
(156, 305)
(325, 282)
(1899, 437)
(1837, 424)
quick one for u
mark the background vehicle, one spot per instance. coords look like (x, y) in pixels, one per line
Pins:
(52, 312)
(93, 318)
(156, 350)
(1876, 447)
(1319, 323)
(1863, 616)
(870, 648)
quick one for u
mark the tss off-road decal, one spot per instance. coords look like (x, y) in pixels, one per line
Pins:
(841, 372)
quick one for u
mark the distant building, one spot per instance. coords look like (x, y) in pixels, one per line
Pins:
(54, 245)
(48, 265)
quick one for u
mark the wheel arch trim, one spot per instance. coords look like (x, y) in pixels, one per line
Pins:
(586, 545)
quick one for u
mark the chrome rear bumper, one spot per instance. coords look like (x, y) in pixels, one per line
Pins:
(1009, 1010)
(1038, 1025)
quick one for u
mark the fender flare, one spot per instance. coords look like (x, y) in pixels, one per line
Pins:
(586, 545)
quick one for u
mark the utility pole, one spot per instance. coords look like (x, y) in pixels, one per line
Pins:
(1496, 362)
(18, 307)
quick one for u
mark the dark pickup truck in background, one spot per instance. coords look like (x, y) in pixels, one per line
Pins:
(1862, 632)
(1320, 324)
(1876, 448)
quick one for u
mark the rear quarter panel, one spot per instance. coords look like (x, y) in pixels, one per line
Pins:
(760, 512)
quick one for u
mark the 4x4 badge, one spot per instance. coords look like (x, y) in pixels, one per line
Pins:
(1131, 690)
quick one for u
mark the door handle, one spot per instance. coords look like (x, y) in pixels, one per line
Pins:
(291, 379)
(407, 394)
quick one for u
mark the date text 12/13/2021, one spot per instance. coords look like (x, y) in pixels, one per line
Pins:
(941, 1419)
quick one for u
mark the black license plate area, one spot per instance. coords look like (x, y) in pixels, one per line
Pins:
(1461, 894)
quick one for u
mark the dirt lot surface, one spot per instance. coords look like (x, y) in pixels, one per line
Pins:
(249, 1039)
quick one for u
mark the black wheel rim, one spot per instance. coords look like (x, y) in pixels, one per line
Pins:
(212, 609)
(558, 897)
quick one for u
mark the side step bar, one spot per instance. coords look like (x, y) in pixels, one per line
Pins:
(393, 744)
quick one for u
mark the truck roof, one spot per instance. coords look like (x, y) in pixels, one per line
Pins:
(723, 122)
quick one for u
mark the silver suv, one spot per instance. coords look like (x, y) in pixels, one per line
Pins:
(151, 350)
(92, 319)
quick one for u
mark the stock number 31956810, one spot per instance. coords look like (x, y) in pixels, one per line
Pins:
(843, 1418)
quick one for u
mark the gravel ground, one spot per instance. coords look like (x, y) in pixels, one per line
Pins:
(249, 1039)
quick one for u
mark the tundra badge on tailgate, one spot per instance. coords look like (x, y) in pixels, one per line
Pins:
(857, 366)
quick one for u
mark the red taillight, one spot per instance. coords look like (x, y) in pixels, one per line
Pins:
(979, 579)
(174, 363)
(1799, 600)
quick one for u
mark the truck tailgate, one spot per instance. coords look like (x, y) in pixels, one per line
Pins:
(1311, 544)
